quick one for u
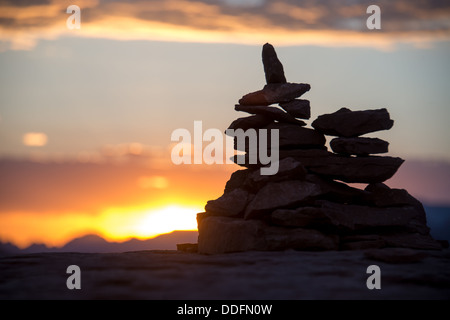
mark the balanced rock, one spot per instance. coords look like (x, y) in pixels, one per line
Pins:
(357, 217)
(280, 195)
(300, 217)
(237, 179)
(396, 255)
(273, 68)
(381, 195)
(290, 136)
(252, 122)
(229, 204)
(296, 136)
(288, 169)
(339, 192)
(353, 169)
(253, 181)
(298, 108)
(345, 217)
(370, 169)
(223, 235)
(359, 146)
(411, 240)
(275, 93)
(357, 170)
(347, 123)
(270, 112)
(305, 203)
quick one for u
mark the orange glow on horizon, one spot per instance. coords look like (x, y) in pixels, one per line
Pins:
(113, 224)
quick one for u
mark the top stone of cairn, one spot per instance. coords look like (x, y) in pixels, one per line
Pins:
(272, 66)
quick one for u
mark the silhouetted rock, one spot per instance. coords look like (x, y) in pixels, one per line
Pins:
(297, 108)
(359, 146)
(357, 217)
(251, 122)
(188, 247)
(270, 112)
(300, 217)
(361, 242)
(298, 239)
(353, 169)
(382, 196)
(289, 136)
(347, 123)
(280, 195)
(274, 93)
(396, 255)
(230, 203)
(296, 136)
(339, 192)
(411, 240)
(223, 235)
(344, 216)
(329, 165)
(273, 68)
(237, 180)
(288, 169)
(306, 205)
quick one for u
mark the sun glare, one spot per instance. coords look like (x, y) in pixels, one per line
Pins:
(166, 220)
(120, 224)
(114, 224)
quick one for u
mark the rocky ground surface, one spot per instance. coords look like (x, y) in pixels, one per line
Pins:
(405, 274)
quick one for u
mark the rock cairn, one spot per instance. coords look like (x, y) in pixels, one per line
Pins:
(306, 205)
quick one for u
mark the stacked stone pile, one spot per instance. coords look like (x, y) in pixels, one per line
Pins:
(306, 205)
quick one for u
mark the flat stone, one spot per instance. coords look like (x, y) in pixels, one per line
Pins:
(277, 238)
(237, 180)
(296, 136)
(305, 156)
(347, 123)
(359, 146)
(289, 136)
(361, 242)
(339, 192)
(345, 217)
(223, 235)
(381, 195)
(297, 108)
(280, 195)
(273, 68)
(187, 247)
(230, 204)
(300, 217)
(363, 245)
(370, 169)
(354, 169)
(396, 255)
(252, 122)
(275, 93)
(357, 217)
(412, 240)
(270, 112)
(288, 169)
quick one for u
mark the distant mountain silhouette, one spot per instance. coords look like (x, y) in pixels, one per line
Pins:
(92, 243)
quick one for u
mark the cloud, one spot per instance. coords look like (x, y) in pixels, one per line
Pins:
(284, 22)
(35, 139)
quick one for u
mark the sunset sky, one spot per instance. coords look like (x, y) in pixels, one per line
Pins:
(86, 115)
